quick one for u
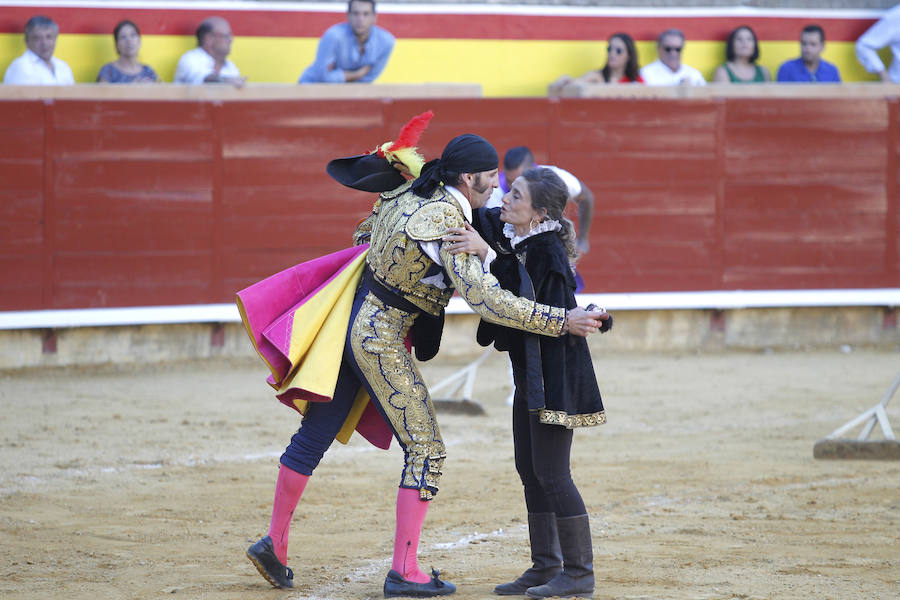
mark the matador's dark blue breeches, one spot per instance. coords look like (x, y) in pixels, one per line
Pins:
(375, 357)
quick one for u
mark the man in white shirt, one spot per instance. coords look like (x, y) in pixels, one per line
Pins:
(208, 62)
(668, 68)
(38, 66)
(886, 32)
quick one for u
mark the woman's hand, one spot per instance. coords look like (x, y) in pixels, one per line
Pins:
(465, 239)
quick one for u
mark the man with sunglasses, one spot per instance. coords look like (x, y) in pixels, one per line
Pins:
(668, 68)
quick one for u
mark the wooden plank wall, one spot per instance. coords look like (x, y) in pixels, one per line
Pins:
(131, 203)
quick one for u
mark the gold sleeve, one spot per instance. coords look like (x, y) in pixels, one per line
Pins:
(483, 293)
(363, 231)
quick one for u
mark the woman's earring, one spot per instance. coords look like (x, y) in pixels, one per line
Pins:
(532, 224)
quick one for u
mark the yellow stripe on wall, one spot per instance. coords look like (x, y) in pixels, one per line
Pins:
(502, 67)
(525, 68)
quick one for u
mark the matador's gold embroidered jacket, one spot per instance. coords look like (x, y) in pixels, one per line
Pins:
(400, 220)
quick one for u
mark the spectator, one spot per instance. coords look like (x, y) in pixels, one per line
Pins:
(208, 62)
(38, 66)
(621, 66)
(517, 160)
(126, 68)
(886, 32)
(357, 50)
(810, 68)
(668, 68)
(741, 54)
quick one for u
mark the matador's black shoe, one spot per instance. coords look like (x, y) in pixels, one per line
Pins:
(395, 585)
(262, 554)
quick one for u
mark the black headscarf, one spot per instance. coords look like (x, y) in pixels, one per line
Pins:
(467, 153)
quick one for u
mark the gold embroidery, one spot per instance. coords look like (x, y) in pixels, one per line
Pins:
(430, 222)
(397, 261)
(482, 292)
(377, 344)
(379, 330)
(397, 192)
(364, 230)
(558, 417)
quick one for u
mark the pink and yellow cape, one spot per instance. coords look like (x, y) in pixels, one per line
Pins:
(297, 320)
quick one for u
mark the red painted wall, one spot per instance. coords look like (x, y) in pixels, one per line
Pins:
(125, 203)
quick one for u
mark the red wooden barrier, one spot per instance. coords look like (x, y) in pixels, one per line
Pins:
(128, 203)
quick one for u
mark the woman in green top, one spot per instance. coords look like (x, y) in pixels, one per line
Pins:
(741, 54)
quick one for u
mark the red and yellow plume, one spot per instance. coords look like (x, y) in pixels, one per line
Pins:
(404, 150)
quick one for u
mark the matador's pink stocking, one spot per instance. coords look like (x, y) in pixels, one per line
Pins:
(411, 513)
(288, 490)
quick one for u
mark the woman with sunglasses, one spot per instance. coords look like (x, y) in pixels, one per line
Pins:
(741, 54)
(621, 66)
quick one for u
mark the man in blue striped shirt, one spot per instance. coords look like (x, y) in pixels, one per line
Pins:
(357, 50)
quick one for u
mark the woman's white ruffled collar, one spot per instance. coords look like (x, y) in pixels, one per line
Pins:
(510, 231)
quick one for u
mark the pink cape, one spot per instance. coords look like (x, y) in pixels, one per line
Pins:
(297, 320)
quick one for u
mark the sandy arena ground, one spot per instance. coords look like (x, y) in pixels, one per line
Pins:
(150, 482)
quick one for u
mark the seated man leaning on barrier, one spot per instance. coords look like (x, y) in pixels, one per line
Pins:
(208, 62)
(357, 50)
(38, 66)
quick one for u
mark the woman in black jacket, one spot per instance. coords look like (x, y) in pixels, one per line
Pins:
(555, 387)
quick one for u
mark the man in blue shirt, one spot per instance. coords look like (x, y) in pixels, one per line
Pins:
(357, 50)
(810, 68)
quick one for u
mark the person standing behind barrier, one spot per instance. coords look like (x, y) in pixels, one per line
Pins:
(208, 62)
(555, 386)
(621, 66)
(809, 68)
(38, 66)
(741, 54)
(668, 68)
(886, 32)
(126, 69)
(355, 51)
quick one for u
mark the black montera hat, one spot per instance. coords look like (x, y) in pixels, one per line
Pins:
(366, 172)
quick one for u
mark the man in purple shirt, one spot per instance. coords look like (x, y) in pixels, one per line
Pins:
(357, 50)
(810, 68)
